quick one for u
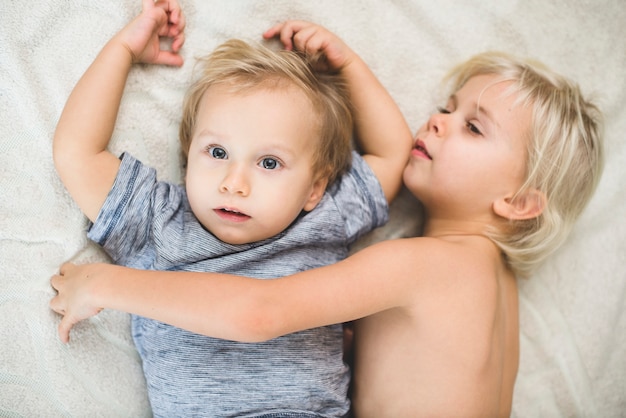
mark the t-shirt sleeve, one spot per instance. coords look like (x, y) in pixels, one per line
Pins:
(124, 226)
(360, 199)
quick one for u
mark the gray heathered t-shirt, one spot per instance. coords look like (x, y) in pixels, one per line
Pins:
(148, 224)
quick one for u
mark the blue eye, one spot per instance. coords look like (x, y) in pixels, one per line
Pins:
(216, 152)
(269, 163)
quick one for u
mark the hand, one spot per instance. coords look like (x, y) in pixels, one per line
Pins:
(157, 20)
(313, 40)
(72, 300)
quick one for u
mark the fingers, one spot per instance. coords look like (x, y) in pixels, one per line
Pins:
(64, 329)
(287, 31)
(176, 19)
(273, 31)
(56, 281)
(324, 50)
(65, 325)
(178, 41)
(57, 304)
(283, 31)
(169, 58)
(71, 300)
(303, 36)
(175, 26)
(160, 19)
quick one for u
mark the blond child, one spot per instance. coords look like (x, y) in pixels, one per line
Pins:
(503, 171)
(271, 183)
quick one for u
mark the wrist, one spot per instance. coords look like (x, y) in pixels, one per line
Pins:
(121, 52)
(354, 68)
(98, 286)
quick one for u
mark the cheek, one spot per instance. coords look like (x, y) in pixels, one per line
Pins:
(197, 183)
(191, 188)
(510, 166)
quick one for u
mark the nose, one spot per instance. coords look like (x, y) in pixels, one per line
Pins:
(437, 124)
(235, 181)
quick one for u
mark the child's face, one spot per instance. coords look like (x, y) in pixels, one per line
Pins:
(470, 153)
(249, 169)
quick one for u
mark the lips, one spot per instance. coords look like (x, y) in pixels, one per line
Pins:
(419, 150)
(232, 215)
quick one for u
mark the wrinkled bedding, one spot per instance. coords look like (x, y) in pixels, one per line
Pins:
(573, 316)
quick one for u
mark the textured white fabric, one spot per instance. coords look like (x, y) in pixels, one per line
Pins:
(573, 320)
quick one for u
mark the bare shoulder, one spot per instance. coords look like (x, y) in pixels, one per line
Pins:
(462, 275)
(421, 275)
(465, 263)
(458, 286)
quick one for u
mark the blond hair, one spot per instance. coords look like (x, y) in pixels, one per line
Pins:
(564, 157)
(243, 68)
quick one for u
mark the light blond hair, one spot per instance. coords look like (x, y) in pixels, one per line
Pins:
(564, 158)
(244, 67)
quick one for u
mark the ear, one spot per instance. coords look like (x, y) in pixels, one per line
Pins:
(317, 192)
(526, 205)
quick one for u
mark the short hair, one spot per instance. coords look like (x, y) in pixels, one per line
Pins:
(564, 158)
(244, 67)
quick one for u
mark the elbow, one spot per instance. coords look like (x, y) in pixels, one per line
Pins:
(259, 325)
(60, 154)
(261, 328)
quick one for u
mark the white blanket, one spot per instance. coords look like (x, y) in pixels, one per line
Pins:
(573, 320)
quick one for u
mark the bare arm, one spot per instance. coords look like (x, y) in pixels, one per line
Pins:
(445, 291)
(239, 308)
(381, 129)
(85, 166)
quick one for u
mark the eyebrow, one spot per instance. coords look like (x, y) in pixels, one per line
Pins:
(208, 133)
(274, 148)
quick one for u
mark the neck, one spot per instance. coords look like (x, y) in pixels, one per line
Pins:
(444, 227)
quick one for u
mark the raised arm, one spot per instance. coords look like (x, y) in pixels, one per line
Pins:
(85, 166)
(382, 131)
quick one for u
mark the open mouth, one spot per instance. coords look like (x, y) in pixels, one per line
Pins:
(231, 214)
(420, 149)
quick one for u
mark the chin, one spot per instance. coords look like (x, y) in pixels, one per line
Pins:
(234, 240)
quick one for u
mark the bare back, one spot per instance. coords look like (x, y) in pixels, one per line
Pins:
(455, 346)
